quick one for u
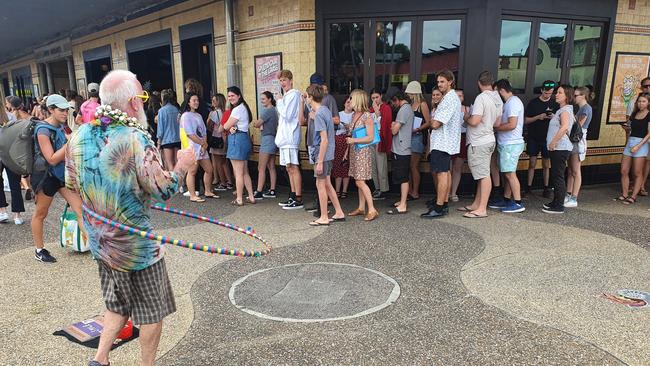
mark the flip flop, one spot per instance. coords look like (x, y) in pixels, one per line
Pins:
(464, 209)
(620, 198)
(629, 201)
(643, 193)
(472, 215)
(198, 200)
(235, 203)
(316, 223)
(339, 219)
(212, 196)
(396, 212)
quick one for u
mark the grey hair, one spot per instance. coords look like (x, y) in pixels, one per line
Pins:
(117, 88)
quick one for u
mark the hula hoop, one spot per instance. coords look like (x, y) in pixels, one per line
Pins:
(185, 244)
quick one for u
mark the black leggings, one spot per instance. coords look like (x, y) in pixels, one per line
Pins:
(558, 167)
(17, 204)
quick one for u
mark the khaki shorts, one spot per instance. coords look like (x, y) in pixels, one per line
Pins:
(478, 159)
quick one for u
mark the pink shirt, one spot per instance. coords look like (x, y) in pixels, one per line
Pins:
(88, 110)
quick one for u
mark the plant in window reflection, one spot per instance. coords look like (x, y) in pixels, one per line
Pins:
(399, 51)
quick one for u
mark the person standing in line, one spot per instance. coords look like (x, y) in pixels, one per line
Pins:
(361, 157)
(88, 108)
(539, 112)
(308, 120)
(458, 160)
(51, 141)
(486, 112)
(402, 129)
(645, 88)
(560, 147)
(239, 144)
(17, 203)
(637, 132)
(194, 127)
(382, 113)
(322, 155)
(510, 145)
(169, 139)
(268, 125)
(422, 120)
(290, 108)
(222, 177)
(341, 166)
(119, 180)
(444, 142)
(579, 153)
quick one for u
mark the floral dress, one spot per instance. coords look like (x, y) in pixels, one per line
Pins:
(360, 159)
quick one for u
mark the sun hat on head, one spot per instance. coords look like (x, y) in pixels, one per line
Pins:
(413, 87)
(55, 100)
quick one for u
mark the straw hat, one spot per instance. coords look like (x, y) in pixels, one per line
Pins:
(413, 87)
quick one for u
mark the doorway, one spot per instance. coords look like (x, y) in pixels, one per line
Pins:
(97, 69)
(153, 67)
(197, 56)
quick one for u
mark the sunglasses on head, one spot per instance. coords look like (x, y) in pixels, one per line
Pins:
(548, 86)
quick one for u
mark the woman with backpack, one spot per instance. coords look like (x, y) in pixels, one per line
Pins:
(17, 204)
(48, 177)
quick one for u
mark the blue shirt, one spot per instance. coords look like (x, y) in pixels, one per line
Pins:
(168, 127)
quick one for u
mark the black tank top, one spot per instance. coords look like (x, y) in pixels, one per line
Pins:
(639, 127)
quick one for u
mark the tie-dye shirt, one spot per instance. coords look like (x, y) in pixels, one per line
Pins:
(118, 173)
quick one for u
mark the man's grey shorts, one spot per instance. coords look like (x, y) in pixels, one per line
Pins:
(327, 169)
(478, 159)
(146, 295)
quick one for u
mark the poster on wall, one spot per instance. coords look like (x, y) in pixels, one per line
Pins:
(629, 69)
(266, 79)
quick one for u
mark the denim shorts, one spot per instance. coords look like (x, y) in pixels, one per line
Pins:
(268, 145)
(633, 141)
(239, 146)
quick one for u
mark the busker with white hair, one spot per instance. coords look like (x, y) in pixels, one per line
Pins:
(115, 167)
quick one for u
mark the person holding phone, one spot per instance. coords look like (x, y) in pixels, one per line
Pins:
(539, 112)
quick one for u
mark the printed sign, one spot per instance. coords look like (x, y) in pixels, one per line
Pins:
(629, 69)
(266, 76)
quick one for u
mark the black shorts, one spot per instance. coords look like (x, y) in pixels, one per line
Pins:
(401, 167)
(173, 145)
(440, 161)
(534, 147)
(49, 185)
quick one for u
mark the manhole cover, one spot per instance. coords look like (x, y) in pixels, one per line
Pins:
(314, 292)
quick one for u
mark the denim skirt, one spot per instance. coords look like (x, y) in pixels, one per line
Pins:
(239, 146)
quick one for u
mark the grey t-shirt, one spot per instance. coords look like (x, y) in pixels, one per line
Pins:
(402, 141)
(554, 126)
(329, 102)
(489, 106)
(585, 110)
(323, 122)
(270, 117)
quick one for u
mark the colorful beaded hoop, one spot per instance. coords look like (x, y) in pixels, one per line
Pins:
(182, 243)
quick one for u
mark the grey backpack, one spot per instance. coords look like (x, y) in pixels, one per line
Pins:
(17, 145)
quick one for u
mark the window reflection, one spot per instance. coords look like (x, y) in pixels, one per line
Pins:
(392, 54)
(549, 52)
(586, 47)
(346, 57)
(440, 50)
(513, 53)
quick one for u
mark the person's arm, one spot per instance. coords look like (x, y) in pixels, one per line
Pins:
(52, 157)
(395, 126)
(427, 117)
(152, 178)
(190, 131)
(645, 139)
(159, 131)
(258, 123)
(369, 123)
(508, 126)
(321, 152)
(564, 128)
(582, 119)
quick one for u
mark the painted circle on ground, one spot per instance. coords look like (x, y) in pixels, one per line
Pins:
(313, 292)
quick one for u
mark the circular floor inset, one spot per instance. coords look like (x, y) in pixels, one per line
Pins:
(313, 292)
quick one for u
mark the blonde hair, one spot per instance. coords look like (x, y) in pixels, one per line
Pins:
(416, 99)
(3, 115)
(285, 74)
(359, 100)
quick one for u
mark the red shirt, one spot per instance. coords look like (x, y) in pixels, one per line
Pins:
(386, 143)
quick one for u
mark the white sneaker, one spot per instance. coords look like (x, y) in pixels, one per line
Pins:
(572, 202)
(4, 217)
(567, 198)
(18, 221)
(187, 194)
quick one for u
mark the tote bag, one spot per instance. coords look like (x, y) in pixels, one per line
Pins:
(72, 236)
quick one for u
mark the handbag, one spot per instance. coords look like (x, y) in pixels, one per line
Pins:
(360, 132)
(71, 234)
(215, 142)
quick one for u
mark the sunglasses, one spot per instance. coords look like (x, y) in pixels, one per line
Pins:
(645, 86)
(144, 96)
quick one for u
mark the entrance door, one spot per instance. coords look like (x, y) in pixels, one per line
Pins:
(150, 58)
(197, 62)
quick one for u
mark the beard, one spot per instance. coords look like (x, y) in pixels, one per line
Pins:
(142, 118)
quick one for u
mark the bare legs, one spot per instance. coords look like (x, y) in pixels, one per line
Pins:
(415, 175)
(169, 158)
(574, 181)
(266, 161)
(325, 191)
(456, 174)
(43, 203)
(342, 184)
(113, 324)
(242, 179)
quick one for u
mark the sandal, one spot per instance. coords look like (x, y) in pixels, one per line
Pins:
(235, 203)
(316, 223)
(643, 193)
(357, 212)
(620, 198)
(212, 196)
(197, 200)
(629, 201)
(464, 209)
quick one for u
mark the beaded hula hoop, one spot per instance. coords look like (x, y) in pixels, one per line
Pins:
(185, 244)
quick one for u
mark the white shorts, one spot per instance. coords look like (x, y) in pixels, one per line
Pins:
(289, 155)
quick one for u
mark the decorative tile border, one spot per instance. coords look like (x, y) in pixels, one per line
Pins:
(297, 26)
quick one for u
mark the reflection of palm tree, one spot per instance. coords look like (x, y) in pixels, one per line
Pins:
(353, 57)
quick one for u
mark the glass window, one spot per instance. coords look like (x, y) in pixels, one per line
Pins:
(548, 65)
(586, 47)
(346, 57)
(440, 50)
(513, 53)
(392, 54)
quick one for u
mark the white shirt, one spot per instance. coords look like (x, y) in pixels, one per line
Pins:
(447, 137)
(241, 115)
(513, 108)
